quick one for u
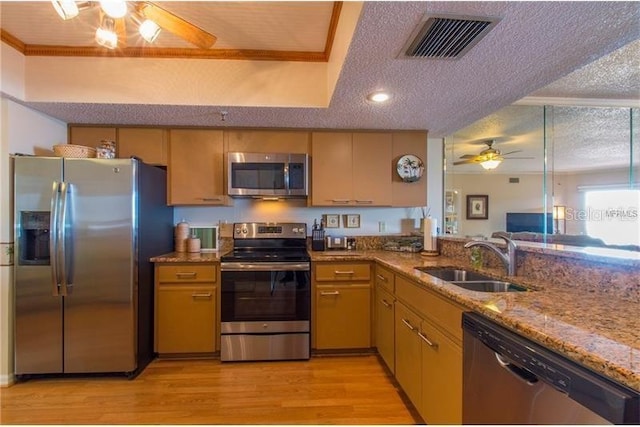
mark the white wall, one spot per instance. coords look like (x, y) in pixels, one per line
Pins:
(566, 191)
(22, 131)
(525, 196)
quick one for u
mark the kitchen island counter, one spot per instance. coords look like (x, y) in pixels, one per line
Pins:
(596, 328)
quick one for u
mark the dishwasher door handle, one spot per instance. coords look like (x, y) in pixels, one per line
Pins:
(515, 370)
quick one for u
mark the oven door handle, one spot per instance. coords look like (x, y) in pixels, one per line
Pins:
(265, 266)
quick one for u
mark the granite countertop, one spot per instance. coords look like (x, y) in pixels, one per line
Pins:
(594, 329)
(188, 257)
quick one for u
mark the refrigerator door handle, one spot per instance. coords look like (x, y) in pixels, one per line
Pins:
(54, 238)
(65, 258)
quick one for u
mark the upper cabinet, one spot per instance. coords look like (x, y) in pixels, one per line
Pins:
(196, 167)
(91, 136)
(148, 144)
(267, 141)
(351, 169)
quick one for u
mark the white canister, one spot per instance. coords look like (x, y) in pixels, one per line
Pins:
(193, 244)
(182, 232)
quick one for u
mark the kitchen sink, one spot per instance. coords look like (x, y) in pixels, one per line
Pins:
(453, 274)
(471, 280)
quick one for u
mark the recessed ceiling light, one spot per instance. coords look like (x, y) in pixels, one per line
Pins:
(378, 97)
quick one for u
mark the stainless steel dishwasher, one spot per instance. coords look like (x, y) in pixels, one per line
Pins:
(509, 379)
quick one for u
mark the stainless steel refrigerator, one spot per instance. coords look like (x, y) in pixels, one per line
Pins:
(83, 284)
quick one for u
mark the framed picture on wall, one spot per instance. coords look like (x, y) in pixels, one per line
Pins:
(352, 221)
(478, 206)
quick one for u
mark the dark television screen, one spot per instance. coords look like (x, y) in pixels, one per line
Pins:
(532, 222)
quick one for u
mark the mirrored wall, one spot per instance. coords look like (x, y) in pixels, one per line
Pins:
(556, 174)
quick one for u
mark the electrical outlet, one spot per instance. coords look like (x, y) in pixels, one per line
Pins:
(382, 226)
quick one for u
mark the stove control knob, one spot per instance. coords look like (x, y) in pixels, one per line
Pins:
(244, 230)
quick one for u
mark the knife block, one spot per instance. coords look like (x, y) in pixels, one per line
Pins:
(317, 240)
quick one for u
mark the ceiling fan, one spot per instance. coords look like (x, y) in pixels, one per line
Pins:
(148, 16)
(489, 158)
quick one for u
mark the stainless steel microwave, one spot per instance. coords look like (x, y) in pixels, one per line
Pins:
(267, 175)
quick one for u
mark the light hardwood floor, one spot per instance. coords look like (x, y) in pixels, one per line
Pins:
(324, 390)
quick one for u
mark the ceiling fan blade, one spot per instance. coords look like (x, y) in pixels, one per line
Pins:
(465, 162)
(176, 25)
(511, 152)
(468, 156)
(519, 158)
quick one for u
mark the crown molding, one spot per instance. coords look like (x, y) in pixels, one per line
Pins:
(578, 102)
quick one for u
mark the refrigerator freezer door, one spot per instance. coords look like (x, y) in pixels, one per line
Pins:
(100, 313)
(38, 306)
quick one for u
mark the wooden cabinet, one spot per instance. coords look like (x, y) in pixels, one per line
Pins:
(186, 308)
(385, 326)
(196, 168)
(408, 352)
(91, 136)
(341, 306)
(351, 169)
(428, 327)
(148, 144)
(409, 193)
(441, 401)
(267, 141)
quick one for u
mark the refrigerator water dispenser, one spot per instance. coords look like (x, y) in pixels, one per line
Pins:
(34, 238)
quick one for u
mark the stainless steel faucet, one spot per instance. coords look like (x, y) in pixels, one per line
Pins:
(508, 258)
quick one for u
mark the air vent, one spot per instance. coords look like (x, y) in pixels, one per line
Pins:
(448, 37)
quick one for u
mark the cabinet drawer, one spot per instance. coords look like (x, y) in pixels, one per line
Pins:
(385, 278)
(443, 313)
(188, 273)
(342, 272)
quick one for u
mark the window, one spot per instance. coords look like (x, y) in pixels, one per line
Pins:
(612, 215)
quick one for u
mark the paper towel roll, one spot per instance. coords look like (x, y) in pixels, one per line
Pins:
(430, 230)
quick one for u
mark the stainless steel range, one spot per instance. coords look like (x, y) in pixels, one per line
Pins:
(266, 293)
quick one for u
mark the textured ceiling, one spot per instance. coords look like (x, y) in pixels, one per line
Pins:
(534, 45)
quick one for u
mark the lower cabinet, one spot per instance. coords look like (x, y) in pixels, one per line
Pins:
(441, 401)
(384, 327)
(408, 353)
(341, 310)
(186, 308)
(428, 350)
(343, 316)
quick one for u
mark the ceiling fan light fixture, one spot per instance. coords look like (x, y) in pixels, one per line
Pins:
(106, 34)
(67, 9)
(149, 30)
(490, 164)
(114, 8)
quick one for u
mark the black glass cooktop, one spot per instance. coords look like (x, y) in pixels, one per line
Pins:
(258, 255)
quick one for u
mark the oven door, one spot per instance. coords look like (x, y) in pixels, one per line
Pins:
(265, 311)
(266, 292)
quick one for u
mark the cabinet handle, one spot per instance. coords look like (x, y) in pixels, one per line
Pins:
(381, 277)
(385, 303)
(406, 322)
(211, 199)
(187, 275)
(196, 295)
(343, 272)
(339, 201)
(364, 202)
(329, 293)
(425, 339)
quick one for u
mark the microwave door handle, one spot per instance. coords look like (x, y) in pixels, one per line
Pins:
(286, 178)
(53, 238)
